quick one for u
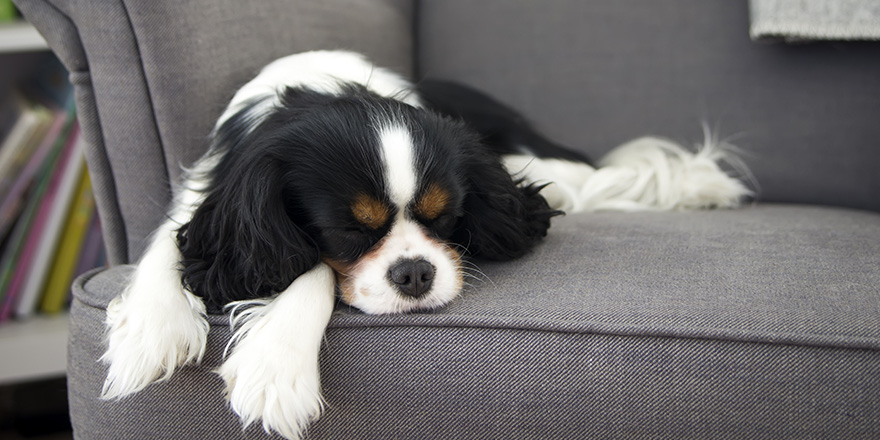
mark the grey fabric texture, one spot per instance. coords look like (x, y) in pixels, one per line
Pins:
(800, 20)
(755, 323)
(595, 74)
(159, 74)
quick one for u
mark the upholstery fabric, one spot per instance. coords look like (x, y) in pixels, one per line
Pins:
(754, 323)
(594, 74)
(157, 75)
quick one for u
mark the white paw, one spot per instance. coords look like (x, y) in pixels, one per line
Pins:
(272, 374)
(149, 336)
(275, 383)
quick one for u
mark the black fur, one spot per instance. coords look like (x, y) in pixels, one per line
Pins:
(501, 127)
(280, 197)
(502, 219)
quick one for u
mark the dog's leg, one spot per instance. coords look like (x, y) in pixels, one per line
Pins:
(272, 373)
(155, 325)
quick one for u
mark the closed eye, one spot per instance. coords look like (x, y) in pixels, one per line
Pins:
(443, 225)
(358, 229)
(348, 243)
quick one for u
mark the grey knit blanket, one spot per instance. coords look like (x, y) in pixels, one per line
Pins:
(804, 20)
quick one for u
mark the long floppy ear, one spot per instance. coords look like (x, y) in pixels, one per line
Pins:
(241, 242)
(503, 219)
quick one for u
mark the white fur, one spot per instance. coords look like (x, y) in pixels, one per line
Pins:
(320, 71)
(647, 173)
(400, 172)
(156, 326)
(367, 285)
(272, 373)
(372, 292)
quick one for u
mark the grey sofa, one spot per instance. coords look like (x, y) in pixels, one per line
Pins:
(760, 322)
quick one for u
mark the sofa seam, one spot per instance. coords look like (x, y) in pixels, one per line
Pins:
(148, 92)
(117, 208)
(147, 85)
(871, 344)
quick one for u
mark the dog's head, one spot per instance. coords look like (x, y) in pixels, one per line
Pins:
(389, 195)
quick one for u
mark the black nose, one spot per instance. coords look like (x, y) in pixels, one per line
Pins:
(412, 277)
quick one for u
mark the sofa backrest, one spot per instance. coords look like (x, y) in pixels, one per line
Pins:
(593, 74)
(152, 77)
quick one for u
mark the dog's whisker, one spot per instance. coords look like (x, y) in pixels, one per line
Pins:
(475, 277)
(462, 248)
(475, 272)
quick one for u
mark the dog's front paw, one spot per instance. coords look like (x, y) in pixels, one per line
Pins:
(275, 383)
(147, 340)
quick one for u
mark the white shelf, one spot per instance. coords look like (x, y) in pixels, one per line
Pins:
(33, 349)
(20, 36)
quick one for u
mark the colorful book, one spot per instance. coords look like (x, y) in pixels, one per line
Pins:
(93, 253)
(15, 197)
(44, 192)
(17, 254)
(13, 250)
(22, 136)
(13, 164)
(56, 204)
(69, 250)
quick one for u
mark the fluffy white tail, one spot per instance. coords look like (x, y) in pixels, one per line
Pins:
(648, 173)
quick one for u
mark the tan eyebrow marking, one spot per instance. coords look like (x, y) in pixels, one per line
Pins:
(369, 211)
(433, 202)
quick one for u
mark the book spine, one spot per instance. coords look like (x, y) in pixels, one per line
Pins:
(32, 230)
(60, 277)
(56, 204)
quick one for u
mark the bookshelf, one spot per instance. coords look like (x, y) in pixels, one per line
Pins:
(35, 348)
(20, 37)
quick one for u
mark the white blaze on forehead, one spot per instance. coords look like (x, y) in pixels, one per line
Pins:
(400, 173)
(366, 283)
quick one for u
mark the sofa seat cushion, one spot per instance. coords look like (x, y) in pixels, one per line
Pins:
(764, 319)
(781, 274)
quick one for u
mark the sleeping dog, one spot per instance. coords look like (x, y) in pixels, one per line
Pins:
(328, 176)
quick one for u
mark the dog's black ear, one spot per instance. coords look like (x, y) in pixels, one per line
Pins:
(503, 219)
(242, 242)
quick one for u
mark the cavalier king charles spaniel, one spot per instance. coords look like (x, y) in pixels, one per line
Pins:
(328, 176)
